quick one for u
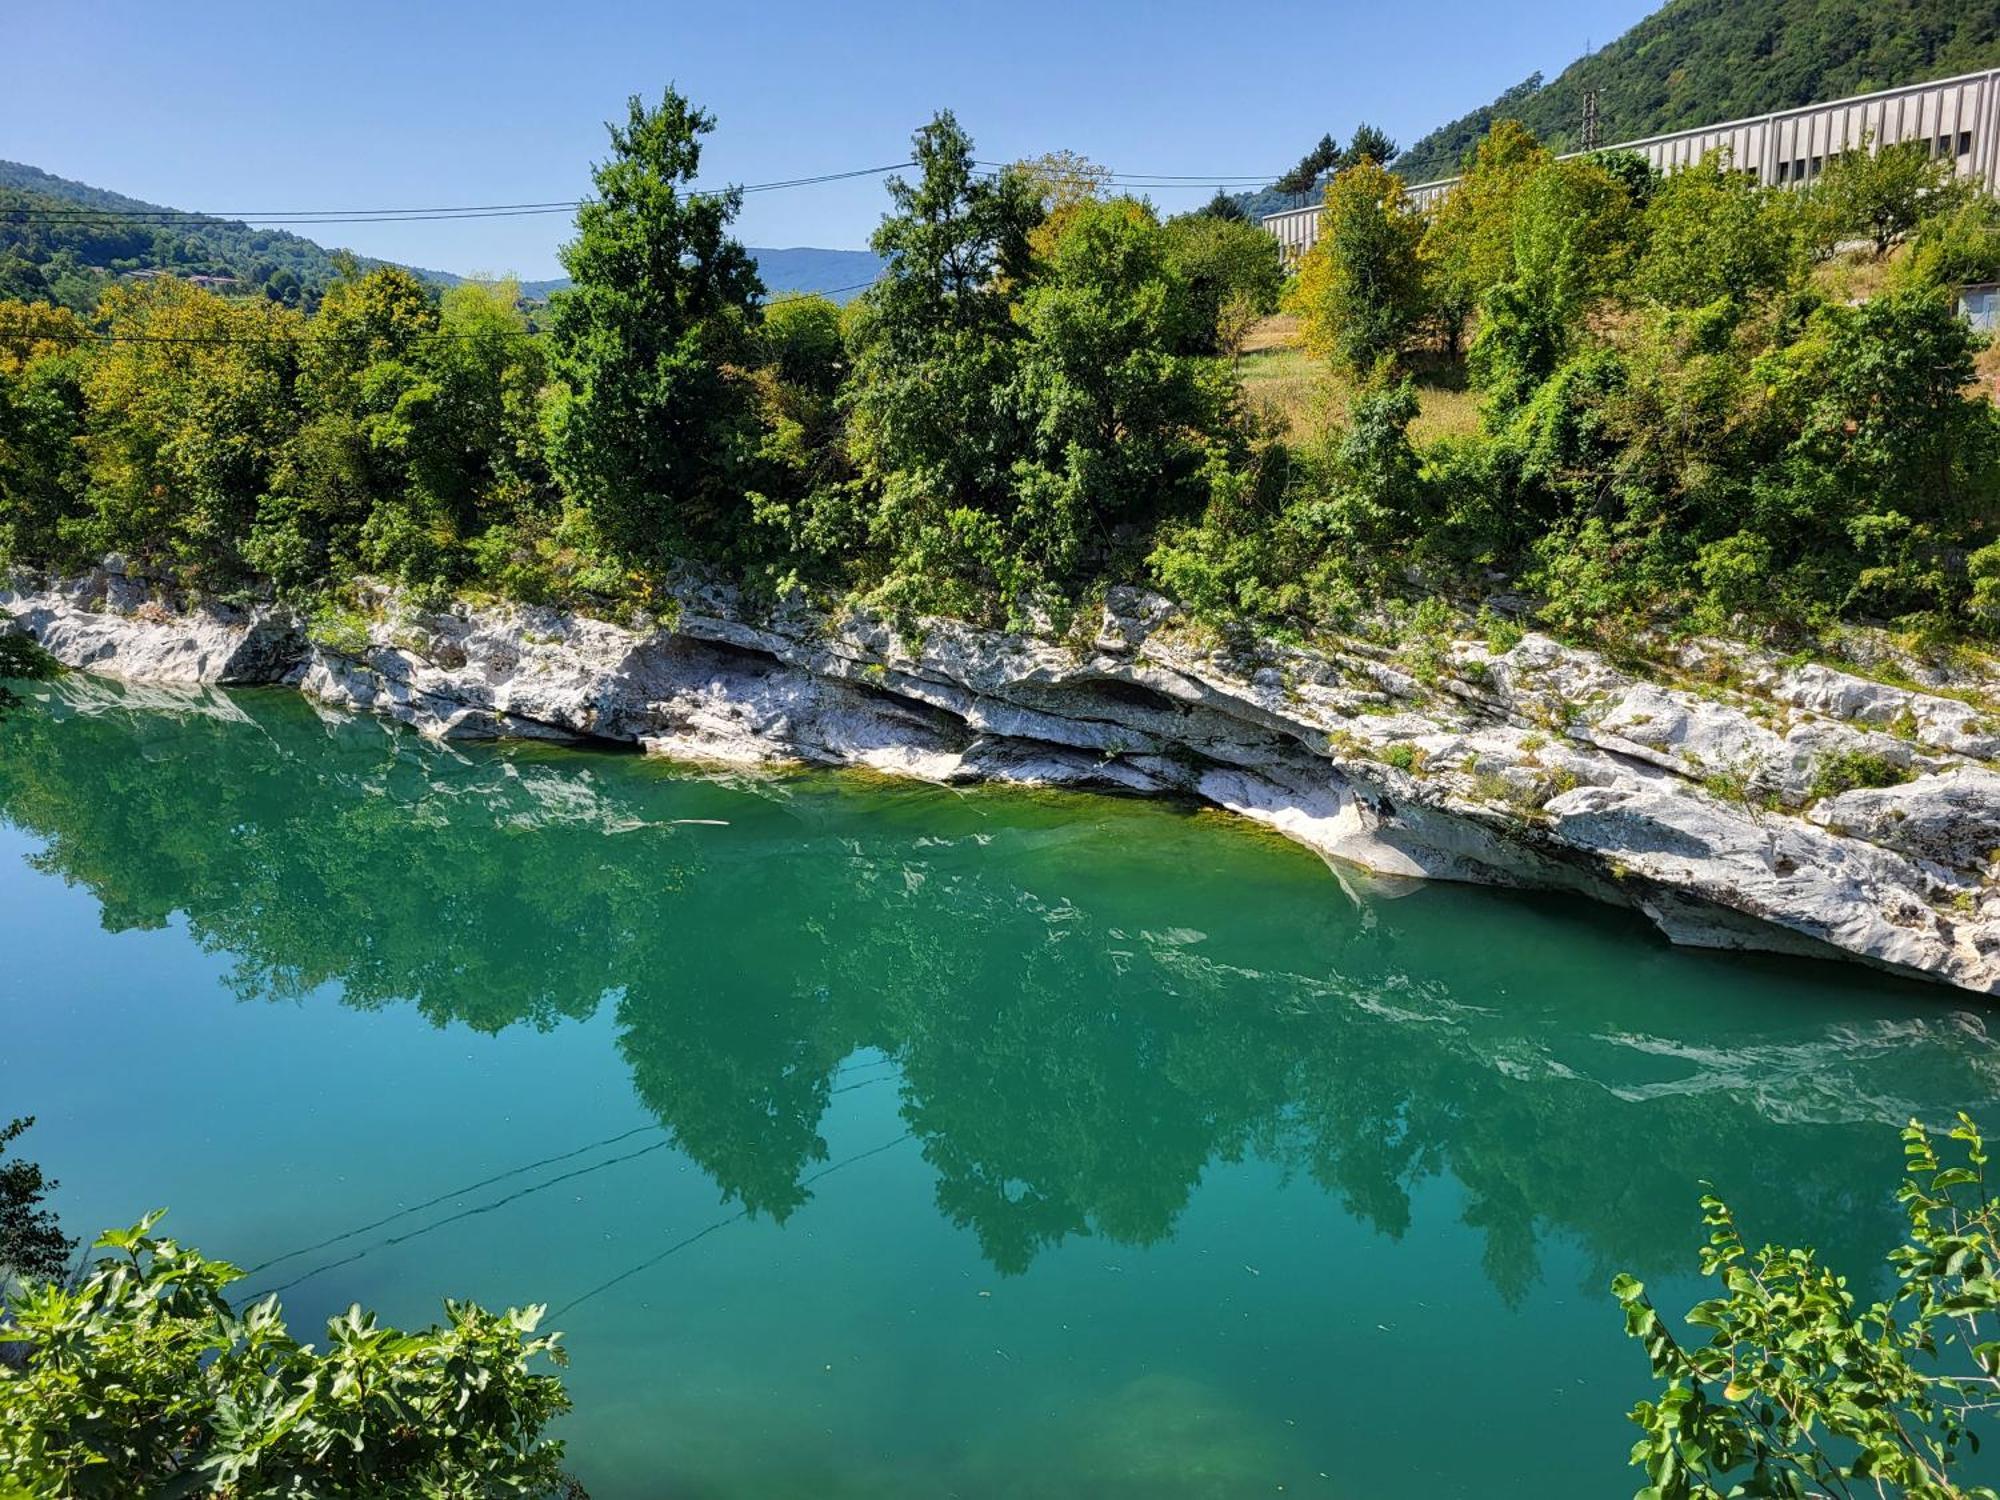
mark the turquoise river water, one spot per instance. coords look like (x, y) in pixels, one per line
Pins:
(869, 1139)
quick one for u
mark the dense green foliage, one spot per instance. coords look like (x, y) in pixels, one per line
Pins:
(651, 424)
(1801, 1389)
(144, 1380)
(1684, 419)
(1693, 62)
(32, 1244)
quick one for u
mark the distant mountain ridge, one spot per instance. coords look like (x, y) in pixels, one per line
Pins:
(208, 245)
(837, 274)
(1700, 62)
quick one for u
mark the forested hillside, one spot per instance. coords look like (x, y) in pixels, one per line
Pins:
(64, 241)
(1694, 62)
(48, 242)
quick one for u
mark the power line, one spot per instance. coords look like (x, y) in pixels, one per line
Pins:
(82, 215)
(175, 217)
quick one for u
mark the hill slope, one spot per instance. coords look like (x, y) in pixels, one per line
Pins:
(219, 247)
(38, 226)
(1696, 62)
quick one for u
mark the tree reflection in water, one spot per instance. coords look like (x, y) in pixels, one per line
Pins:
(1083, 1003)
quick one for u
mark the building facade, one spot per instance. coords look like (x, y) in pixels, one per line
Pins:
(1955, 117)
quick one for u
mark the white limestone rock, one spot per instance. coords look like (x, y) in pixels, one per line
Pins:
(1951, 820)
(109, 623)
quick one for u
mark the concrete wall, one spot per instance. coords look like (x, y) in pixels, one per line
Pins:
(1958, 117)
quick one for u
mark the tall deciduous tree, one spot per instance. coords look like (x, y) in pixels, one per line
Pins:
(1573, 229)
(1468, 246)
(191, 410)
(41, 419)
(935, 339)
(1223, 261)
(1359, 290)
(1882, 195)
(1122, 413)
(653, 419)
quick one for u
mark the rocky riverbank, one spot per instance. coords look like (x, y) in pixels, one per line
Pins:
(1737, 801)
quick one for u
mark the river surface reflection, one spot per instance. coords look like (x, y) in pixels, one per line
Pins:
(881, 1140)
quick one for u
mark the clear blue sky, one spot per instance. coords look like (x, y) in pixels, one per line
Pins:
(219, 105)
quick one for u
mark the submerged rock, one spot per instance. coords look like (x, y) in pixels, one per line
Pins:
(1541, 766)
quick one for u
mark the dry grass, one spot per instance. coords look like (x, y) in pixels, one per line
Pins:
(1303, 396)
(1855, 275)
(1279, 331)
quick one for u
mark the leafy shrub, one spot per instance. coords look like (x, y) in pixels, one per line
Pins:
(1845, 770)
(1796, 1388)
(143, 1380)
(23, 659)
(32, 1245)
(1952, 249)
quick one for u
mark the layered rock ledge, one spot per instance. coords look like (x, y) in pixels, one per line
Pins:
(1702, 795)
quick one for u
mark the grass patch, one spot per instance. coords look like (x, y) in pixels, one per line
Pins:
(1303, 395)
(1845, 770)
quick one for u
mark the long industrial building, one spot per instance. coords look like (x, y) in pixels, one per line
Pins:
(1957, 117)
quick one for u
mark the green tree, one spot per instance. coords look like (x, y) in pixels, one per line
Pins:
(343, 497)
(806, 495)
(933, 435)
(42, 415)
(143, 1380)
(1468, 243)
(1122, 416)
(1790, 1385)
(489, 483)
(191, 412)
(1359, 290)
(1889, 470)
(1573, 225)
(1225, 206)
(1881, 195)
(1314, 165)
(32, 1245)
(652, 422)
(1712, 233)
(1223, 262)
(1368, 145)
